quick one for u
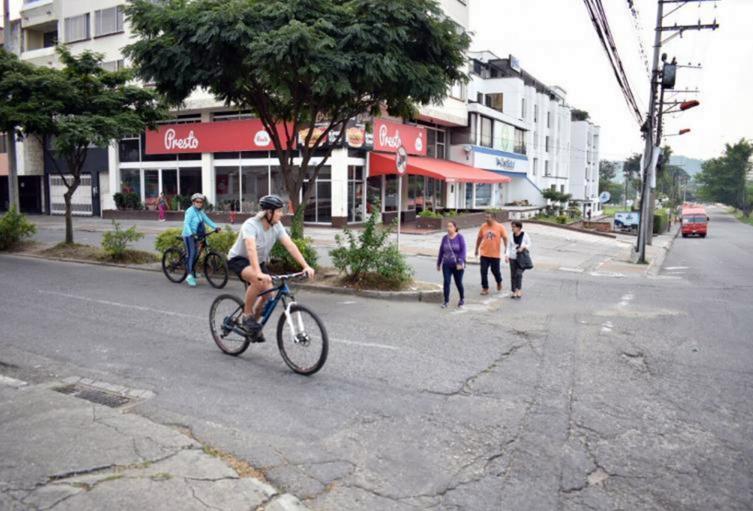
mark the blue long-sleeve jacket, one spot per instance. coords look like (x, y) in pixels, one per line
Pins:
(195, 217)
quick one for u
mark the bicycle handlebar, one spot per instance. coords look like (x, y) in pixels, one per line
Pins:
(302, 275)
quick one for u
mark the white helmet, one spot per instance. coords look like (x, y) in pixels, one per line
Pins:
(198, 196)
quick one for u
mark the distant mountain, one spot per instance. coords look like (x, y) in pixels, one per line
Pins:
(690, 165)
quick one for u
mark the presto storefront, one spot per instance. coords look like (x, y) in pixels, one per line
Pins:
(230, 159)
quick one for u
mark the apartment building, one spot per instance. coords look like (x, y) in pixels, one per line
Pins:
(584, 166)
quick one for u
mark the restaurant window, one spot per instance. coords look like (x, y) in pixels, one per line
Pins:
(373, 194)
(151, 188)
(170, 183)
(108, 21)
(390, 193)
(190, 181)
(495, 101)
(319, 207)
(77, 28)
(483, 195)
(486, 132)
(355, 193)
(130, 181)
(415, 192)
(468, 195)
(227, 188)
(254, 186)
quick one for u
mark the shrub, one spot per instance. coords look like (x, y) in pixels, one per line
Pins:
(176, 202)
(115, 243)
(119, 199)
(358, 256)
(14, 227)
(661, 221)
(427, 213)
(283, 262)
(561, 219)
(132, 200)
(168, 238)
(223, 240)
(451, 213)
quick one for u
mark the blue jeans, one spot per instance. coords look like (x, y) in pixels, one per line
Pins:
(450, 271)
(192, 252)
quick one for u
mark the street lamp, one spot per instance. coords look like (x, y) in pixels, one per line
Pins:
(687, 105)
(681, 132)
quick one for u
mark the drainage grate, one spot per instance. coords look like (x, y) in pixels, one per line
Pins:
(95, 396)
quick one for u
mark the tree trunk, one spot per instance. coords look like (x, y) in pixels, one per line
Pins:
(68, 218)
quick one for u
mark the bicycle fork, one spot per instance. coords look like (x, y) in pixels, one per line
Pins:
(296, 325)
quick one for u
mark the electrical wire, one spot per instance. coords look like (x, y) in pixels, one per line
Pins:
(638, 26)
(604, 32)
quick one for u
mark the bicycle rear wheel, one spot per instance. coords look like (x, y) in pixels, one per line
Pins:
(215, 269)
(305, 349)
(174, 265)
(224, 315)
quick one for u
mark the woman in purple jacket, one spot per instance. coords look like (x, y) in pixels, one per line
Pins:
(451, 260)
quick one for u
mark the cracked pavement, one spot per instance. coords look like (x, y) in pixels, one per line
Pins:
(592, 392)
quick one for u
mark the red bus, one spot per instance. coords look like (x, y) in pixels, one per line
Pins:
(694, 221)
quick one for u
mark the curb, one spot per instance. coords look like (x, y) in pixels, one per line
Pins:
(655, 265)
(574, 229)
(433, 296)
(285, 502)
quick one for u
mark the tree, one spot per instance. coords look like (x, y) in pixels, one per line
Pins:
(632, 173)
(296, 63)
(725, 179)
(607, 173)
(579, 115)
(74, 107)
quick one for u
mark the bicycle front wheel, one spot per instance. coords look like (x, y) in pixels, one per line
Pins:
(224, 315)
(215, 269)
(174, 265)
(302, 340)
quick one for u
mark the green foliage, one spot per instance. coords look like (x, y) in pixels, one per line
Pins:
(282, 262)
(579, 115)
(661, 221)
(450, 213)
(115, 243)
(556, 196)
(77, 106)
(340, 60)
(574, 212)
(169, 238)
(14, 228)
(607, 173)
(223, 240)
(360, 255)
(561, 219)
(724, 179)
(427, 213)
(119, 200)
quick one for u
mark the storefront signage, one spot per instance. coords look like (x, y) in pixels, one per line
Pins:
(490, 159)
(388, 136)
(505, 163)
(210, 137)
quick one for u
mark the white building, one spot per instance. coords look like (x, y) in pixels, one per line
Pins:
(518, 127)
(584, 166)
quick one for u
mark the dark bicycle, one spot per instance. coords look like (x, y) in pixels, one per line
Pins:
(175, 263)
(301, 336)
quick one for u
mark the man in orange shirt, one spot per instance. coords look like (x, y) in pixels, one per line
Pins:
(492, 238)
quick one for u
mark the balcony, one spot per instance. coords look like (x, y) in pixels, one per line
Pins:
(39, 12)
(40, 56)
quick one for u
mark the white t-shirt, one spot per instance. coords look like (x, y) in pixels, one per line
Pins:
(265, 239)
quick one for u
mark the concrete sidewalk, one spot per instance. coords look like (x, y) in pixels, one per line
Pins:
(554, 249)
(62, 450)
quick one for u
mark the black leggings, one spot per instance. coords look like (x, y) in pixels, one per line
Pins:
(516, 276)
(486, 264)
(450, 271)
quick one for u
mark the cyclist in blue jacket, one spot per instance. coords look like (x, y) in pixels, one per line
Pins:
(193, 226)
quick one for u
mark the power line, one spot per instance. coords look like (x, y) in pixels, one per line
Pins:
(638, 26)
(604, 32)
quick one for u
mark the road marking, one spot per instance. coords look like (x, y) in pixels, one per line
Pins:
(606, 327)
(349, 302)
(607, 274)
(12, 382)
(675, 268)
(366, 344)
(626, 300)
(118, 304)
(571, 270)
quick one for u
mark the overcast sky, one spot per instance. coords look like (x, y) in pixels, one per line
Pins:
(556, 42)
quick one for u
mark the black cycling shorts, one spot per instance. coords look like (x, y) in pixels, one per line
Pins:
(238, 263)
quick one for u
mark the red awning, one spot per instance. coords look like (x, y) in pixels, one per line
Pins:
(381, 164)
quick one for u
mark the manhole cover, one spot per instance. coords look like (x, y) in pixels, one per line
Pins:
(95, 396)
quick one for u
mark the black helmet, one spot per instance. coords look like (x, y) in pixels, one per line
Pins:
(271, 202)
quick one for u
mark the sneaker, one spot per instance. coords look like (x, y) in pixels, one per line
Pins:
(444, 305)
(484, 292)
(461, 303)
(251, 325)
(191, 280)
(499, 286)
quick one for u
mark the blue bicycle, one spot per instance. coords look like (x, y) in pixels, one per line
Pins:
(301, 336)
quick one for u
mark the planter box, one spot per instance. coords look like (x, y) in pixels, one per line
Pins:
(220, 217)
(598, 226)
(463, 220)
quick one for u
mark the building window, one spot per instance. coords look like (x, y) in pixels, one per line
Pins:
(479, 98)
(535, 166)
(546, 168)
(486, 132)
(523, 108)
(390, 193)
(520, 144)
(108, 21)
(473, 129)
(113, 65)
(435, 143)
(77, 28)
(50, 39)
(562, 188)
(227, 188)
(459, 91)
(129, 150)
(355, 194)
(504, 136)
(546, 144)
(495, 101)
(3, 141)
(535, 113)
(549, 119)
(535, 140)
(483, 195)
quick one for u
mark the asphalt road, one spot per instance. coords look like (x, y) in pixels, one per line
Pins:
(591, 393)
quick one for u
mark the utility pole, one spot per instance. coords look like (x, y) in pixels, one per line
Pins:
(645, 230)
(11, 135)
